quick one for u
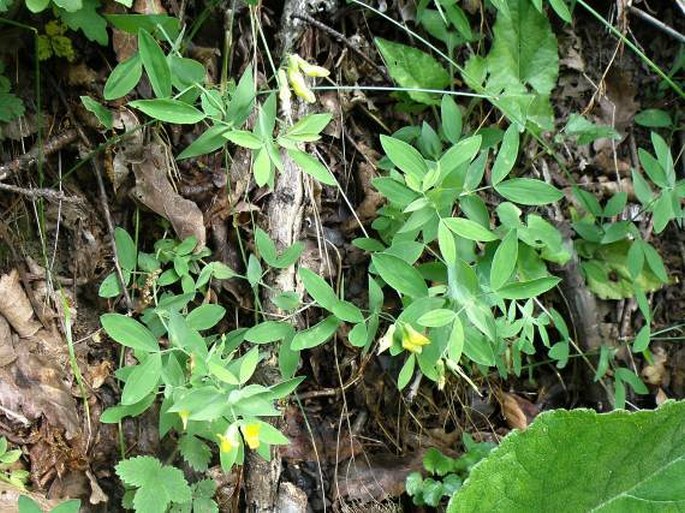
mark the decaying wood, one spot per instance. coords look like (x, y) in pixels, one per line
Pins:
(284, 215)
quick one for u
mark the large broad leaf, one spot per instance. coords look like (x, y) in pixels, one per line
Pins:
(524, 49)
(523, 64)
(413, 69)
(579, 461)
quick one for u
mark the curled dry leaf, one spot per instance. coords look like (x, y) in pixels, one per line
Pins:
(517, 411)
(154, 190)
(377, 477)
(16, 307)
(33, 386)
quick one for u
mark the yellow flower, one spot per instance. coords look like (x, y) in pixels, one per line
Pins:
(283, 89)
(385, 341)
(412, 340)
(310, 70)
(299, 85)
(184, 414)
(229, 440)
(251, 434)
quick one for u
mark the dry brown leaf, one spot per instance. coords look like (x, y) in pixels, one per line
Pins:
(377, 477)
(16, 307)
(517, 411)
(32, 386)
(154, 190)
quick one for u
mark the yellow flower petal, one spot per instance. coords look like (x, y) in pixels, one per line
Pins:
(412, 340)
(310, 70)
(229, 440)
(251, 434)
(385, 341)
(184, 414)
(225, 443)
(299, 85)
(283, 89)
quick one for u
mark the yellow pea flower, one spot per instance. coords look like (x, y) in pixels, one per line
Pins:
(412, 340)
(229, 440)
(283, 89)
(299, 85)
(310, 70)
(184, 414)
(385, 341)
(251, 434)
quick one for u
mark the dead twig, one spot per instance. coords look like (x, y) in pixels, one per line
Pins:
(102, 193)
(31, 157)
(345, 41)
(658, 24)
(48, 194)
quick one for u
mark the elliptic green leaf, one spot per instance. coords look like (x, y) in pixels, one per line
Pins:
(528, 289)
(506, 156)
(526, 191)
(504, 261)
(405, 157)
(312, 166)
(169, 111)
(124, 77)
(155, 64)
(316, 335)
(469, 229)
(129, 332)
(142, 380)
(633, 462)
(400, 275)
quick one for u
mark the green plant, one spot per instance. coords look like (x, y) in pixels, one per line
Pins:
(157, 488)
(11, 106)
(14, 476)
(28, 505)
(577, 461)
(486, 276)
(207, 398)
(446, 474)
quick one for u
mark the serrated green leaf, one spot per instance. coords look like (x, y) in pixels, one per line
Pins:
(413, 69)
(87, 19)
(562, 445)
